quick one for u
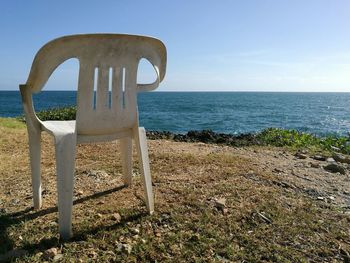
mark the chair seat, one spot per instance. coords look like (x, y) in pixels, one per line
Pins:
(59, 127)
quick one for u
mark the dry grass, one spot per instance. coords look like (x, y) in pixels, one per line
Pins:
(262, 222)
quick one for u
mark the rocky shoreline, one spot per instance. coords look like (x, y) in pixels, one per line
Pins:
(207, 136)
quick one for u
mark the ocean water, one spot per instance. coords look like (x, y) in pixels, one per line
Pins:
(229, 112)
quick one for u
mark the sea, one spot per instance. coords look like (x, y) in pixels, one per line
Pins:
(225, 112)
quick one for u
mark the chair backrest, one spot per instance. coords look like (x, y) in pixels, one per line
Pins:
(107, 86)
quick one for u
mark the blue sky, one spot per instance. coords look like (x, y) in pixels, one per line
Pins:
(226, 45)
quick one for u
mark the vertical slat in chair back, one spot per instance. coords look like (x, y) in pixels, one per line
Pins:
(107, 92)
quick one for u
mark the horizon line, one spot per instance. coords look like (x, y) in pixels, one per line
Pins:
(232, 91)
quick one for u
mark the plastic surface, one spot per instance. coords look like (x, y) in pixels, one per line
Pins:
(108, 63)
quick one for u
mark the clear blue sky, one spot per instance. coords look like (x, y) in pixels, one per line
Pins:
(226, 45)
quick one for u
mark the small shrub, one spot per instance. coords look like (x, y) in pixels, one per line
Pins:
(58, 114)
(292, 138)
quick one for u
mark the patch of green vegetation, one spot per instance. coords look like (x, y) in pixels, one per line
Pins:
(11, 123)
(295, 139)
(58, 114)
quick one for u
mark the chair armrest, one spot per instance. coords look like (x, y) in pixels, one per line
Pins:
(150, 86)
(33, 123)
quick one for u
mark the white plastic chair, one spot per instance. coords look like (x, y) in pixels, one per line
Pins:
(107, 114)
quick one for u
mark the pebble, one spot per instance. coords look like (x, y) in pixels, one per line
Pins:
(220, 203)
(124, 247)
(330, 160)
(116, 217)
(99, 215)
(50, 253)
(135, 231)
(57, 257)
(92, 254)
(314, 165)
(127, 248)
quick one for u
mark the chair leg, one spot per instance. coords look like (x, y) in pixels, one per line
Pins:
(142, 151)
(35, 158)
(126, 156)
(65, 164)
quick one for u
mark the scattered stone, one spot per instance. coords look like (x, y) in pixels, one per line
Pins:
(50, 253)
(116, 217)
(119, 246)
(319, 158)
(225, 211)
(341, 158)
(57, 257)
(127, 248)
(15, 201)
(336, 149)
(53, 223)
(335, 168)
(330, 160)
(135, 231)
(220, 203)
(92, 254)
(301, 155)
(79, 192)
(314, 165)
(321, 198)
(97, 173)
(124, 247)
(99, 215)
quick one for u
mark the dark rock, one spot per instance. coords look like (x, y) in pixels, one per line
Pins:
(341, 158)
(334, 168)
(207, 136)
(319, 158)
(301, 155)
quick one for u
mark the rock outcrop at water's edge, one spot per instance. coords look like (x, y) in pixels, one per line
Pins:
(207, 136)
